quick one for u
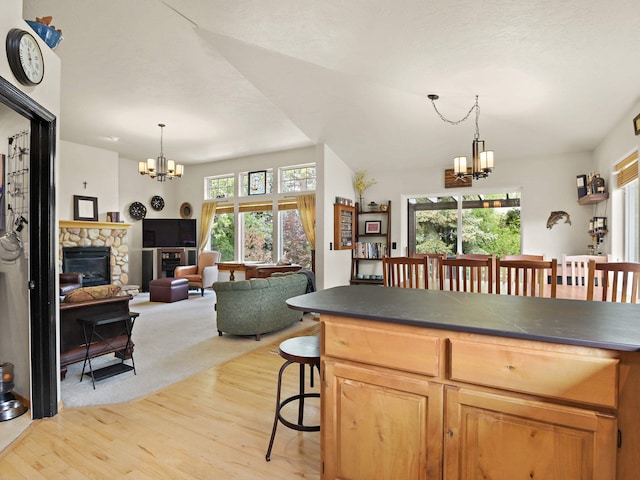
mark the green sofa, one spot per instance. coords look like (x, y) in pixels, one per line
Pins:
(257, 306)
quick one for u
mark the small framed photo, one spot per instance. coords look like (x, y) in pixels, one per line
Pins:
(373, 226)
(85, 208)
(257, 182)
(636, 124)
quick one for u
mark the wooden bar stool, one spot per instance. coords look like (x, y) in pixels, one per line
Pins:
(303, 351)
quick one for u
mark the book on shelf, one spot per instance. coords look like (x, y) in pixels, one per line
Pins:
(372, 250)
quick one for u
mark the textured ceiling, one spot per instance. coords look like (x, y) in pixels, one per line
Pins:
(237, 77)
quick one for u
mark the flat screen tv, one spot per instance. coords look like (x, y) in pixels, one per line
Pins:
(168, 232)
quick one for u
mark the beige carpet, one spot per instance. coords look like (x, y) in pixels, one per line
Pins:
(172, 342)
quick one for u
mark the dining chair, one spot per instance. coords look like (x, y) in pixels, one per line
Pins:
(619, 281)
(404, 272)
(467, 274)
(433, 261)
(523, 256)
(575, 269)
(527, 278)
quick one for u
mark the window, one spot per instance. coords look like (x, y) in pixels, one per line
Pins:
(489, 224)
(258, 236)
(627, 171)
(244, 183)
(223, 235)
(295, 247)
(220, 186)
(298, 179)
(631, 222)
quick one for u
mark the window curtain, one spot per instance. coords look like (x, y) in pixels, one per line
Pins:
(307, 211)
(206, 220)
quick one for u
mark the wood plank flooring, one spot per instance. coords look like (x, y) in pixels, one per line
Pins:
(214, 425)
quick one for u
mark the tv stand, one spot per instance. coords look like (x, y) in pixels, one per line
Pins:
(168, 259)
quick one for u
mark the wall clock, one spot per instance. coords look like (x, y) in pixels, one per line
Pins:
(137, 211)
(157, 202)
(25, 57)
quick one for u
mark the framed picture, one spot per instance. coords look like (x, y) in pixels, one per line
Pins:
(373, 226)
(85, 208)
(452, 181)
(636, 124)
(258, 182)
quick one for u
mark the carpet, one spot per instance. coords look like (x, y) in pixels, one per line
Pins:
(172, 342)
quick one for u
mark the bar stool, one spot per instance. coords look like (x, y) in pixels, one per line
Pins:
(304, 351)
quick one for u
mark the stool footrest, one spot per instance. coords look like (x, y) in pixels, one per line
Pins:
(297, 426)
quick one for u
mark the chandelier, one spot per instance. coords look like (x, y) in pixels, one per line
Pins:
(160, 167)
(482, 160)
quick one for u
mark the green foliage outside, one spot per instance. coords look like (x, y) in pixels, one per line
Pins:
(485, 230)
(258, 236)
(296, 247)
(223, 235)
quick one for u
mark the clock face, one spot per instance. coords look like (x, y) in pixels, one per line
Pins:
(137, 211)
(25, 57)
(157, 202)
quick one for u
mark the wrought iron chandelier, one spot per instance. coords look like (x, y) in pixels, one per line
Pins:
(482, 160)
(160, 168)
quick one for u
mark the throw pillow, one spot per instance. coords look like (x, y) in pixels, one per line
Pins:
(92, 293)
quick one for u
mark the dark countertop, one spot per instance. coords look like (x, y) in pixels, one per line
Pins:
(613, 326)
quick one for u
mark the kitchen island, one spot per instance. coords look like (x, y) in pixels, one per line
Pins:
(430, 384)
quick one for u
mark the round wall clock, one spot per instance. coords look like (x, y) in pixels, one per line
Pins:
(186, 210)
(157, 202)
(25, 57)
(137, 211)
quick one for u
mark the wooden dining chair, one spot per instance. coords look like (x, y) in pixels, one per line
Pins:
(404, 272)
(619, 281)
(524, 256)
(575, 269)
(433, 261)
(527, 278)
(467, 275)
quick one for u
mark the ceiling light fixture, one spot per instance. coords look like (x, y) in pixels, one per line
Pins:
(160, 167)
(482, 160)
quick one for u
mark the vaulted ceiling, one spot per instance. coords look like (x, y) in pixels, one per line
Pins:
(236, 77)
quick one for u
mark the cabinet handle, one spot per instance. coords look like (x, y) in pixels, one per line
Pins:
(450, 432)
(510, 367)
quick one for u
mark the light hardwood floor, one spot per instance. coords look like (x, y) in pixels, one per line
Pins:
(214, 425)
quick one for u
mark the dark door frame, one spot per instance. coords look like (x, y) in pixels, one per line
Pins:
(42, 228)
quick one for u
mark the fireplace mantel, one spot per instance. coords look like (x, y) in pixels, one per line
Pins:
(84, 224)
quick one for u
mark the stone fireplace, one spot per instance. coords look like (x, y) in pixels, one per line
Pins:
(99, 234)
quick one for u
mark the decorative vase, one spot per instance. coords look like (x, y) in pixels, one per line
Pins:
(361, 204)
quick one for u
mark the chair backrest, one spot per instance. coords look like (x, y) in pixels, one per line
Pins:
(527, 278)
(467, 274)
(523, 256)
(208, 259)
(575, 269)
(434, 266)
(404, 272)
(619, 281)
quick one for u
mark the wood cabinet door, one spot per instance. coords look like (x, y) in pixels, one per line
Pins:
(489, 435)
(378, 423)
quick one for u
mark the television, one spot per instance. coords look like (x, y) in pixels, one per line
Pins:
(168, 232)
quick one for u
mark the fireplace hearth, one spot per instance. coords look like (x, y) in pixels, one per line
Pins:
(94, 263)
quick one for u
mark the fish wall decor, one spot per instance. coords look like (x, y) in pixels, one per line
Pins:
(555, 217)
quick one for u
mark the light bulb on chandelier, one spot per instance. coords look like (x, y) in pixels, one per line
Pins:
(160, 167)
(482, 160)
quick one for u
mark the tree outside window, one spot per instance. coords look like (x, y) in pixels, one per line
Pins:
(223, 236)
(258, 236)
(295, 246)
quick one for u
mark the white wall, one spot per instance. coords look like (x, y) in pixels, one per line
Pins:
(99, 168)
(620, 142)
(547, 185)
(334, 266)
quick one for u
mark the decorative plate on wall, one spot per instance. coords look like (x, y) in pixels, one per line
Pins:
(157, 202)
(137, 211)
(185, 210)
